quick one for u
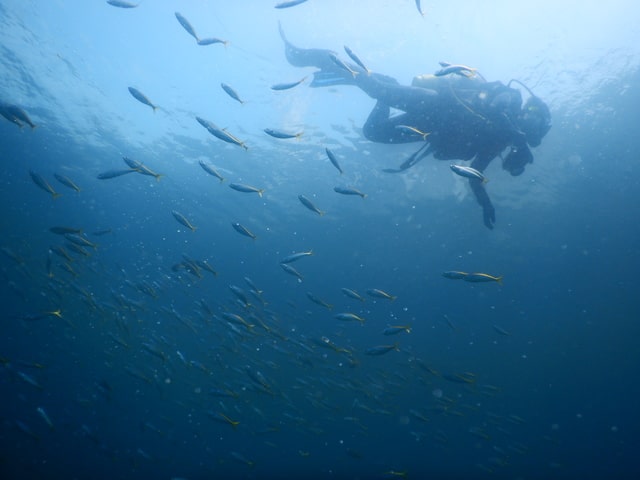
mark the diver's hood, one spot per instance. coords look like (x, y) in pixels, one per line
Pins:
(535, 120)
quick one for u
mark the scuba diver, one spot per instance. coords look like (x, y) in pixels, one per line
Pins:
(455, 112)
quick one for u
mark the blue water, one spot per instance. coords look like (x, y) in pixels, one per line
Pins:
(142, 376)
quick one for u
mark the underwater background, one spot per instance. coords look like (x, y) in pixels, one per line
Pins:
(161, 352)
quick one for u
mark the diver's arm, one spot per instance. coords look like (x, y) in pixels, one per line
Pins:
(477, 187)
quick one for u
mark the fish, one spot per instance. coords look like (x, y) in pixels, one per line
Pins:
(210, 170)
(16, 115)
(419, 7)
(318, 301)
(222, 134)
(61, 252)
(291, 271)
(43, 184)
(231, 92)
(280, 134)
(454, 274)
(237, 319)
(30, 380)
(78, 249)
(69, 269)
(407, 128)
(12, 255)
(287, 86)
(31, 317)
(154, 350)
(342, 65)
(24, 428)
(66, 181)
(187, 26)
(142, 98)
(114, 173)
(49, 264)
(65, 230)
(501, 330)
(183, 220)
(307, 203)
(375, 292)
(122, 4)
(333, 160)
(448, 69)
(141, 168)
(204, 265)
(468, 172)
(243, 230)
(240, 295)
(296, 256)
(288, 4)
(355, 58)
(80, 240)
(349, 317)
(352, 294)
(221, 417)
(464, 377)
(381, 349)
(212, 41)
(45, 417)
(481, 278)
(349, 191)
(238, 457)
(252, 285)
(240, 187)
(395, 329)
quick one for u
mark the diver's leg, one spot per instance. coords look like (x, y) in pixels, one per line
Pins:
(388, 90)
(380, 127)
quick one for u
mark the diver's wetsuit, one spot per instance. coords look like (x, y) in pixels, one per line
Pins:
(466, 118)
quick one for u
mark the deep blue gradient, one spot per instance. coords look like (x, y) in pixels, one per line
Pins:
(136, 374)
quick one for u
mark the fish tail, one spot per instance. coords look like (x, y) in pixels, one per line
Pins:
(260, 192)
(56, 195)
(499, 280)
(321, 213)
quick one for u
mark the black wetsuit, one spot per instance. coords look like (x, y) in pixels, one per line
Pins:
(466, 118)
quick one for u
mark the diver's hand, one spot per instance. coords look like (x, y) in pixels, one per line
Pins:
(489, 216)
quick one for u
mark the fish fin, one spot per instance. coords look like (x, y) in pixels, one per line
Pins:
(499, 280)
